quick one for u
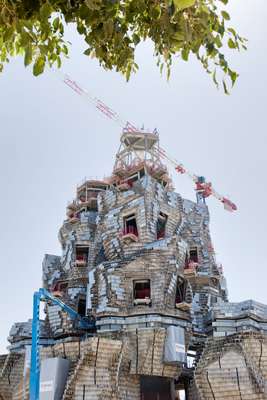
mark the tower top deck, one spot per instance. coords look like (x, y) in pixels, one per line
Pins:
(139, 151)
(139, 140)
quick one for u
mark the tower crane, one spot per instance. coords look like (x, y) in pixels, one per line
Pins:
(203, 188)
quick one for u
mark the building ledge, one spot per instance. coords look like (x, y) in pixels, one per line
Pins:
(129, 237)
(138, 302)
(183, 306)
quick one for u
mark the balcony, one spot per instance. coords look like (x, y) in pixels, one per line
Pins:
(142, 294)
(142, 297)
(81, 261)
(130, 232)
(182, 306)
(161, 234)
(59, 288)
(139, 302)
(190, 269)
(125, 186)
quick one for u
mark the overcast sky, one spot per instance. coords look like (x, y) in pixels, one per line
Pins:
(50, 140)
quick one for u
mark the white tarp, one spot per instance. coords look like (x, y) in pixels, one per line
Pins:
(174, 351)
(54, 373)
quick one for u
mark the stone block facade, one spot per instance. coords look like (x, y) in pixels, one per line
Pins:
(137, 260)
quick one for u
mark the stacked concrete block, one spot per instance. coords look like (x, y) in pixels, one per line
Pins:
(229, 318)
(232, 368)
(138, 260)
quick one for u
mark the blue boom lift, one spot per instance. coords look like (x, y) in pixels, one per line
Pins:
(82, 323)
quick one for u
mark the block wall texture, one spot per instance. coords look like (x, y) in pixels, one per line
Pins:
(137, 259)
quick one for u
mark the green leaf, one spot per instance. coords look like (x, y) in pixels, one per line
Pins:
(3, 54)
(81, 29)
(87, 52)
(214, 78)
(84, 12)
(8, 34)
(233, 76)
(225, 15)
(218, 41)
(136, 39)
(225, 88)
(38, 67)
(182, 4)
(232, 31)
(65, 50)
(185, 54)
(58, 62)
(128, 72)
(45, 11)
(231, 44)
(156, 12)
(56, 23)
(28, 55)
(168, 72)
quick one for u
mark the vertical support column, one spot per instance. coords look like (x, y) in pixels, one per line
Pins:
(200, 198)
(35, 360)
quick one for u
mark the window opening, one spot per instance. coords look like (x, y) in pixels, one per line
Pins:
(191, 358)
(142, 292)
(193, 254)
(82, 307)
(81, 256)
(62, 286)
(132, 179)
(155, 388)
(82, 197)
(186, 264)
(161, 225)
(59, 287)
(213, 300)
(129, 225)
(180, 291)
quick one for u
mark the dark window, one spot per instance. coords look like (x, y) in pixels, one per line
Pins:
(82, 197)
(142, 293)
(142, 173)
(186, 264)
(132, 179)
(82, 307)
(193, 254)
(129, 225)
(60, 286)
(213, 300)
(135, 177)
(155, 388)
(161, 225)
(81, 255)
(180, 291)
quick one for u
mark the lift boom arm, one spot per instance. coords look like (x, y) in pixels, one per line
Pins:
(44, 295)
